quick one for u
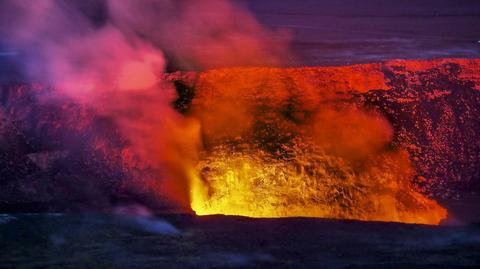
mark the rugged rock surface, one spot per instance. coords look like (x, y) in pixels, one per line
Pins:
(56, 155)
(435, 112)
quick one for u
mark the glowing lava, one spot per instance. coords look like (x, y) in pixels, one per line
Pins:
(311, 184)
(276, 151)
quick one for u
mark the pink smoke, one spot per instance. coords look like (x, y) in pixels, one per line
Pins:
(115, 67)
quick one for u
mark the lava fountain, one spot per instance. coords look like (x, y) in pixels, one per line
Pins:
(276, 148)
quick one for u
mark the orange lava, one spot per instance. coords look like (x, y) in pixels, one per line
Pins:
(285, 143)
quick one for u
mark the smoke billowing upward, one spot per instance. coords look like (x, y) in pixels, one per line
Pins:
(110, 54)
(202, 34)
(85, 43)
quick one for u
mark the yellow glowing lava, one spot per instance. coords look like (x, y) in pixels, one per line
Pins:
(312, 184)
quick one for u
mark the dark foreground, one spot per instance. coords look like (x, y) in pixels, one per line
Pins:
(181, 241)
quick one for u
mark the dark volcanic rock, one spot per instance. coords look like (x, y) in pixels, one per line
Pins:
(436, 116)
(58, 155)
(103, 241)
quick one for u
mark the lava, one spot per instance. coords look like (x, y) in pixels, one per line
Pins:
(274, 151)
(312, 185)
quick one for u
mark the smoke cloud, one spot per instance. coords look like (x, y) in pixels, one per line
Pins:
(110, 55)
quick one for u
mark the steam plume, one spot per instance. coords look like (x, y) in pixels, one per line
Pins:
(110, 55)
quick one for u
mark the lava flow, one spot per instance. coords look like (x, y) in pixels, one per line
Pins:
(276, 151)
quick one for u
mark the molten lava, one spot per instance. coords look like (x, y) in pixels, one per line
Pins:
(280, 151)
(312, 185)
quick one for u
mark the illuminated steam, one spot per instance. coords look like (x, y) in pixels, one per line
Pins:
(112, 62)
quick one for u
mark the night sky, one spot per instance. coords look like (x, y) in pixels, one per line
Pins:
(348, 31)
